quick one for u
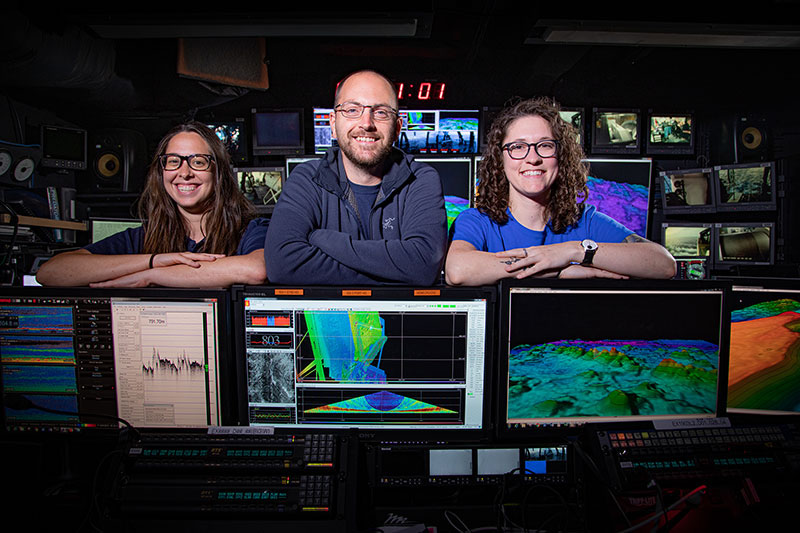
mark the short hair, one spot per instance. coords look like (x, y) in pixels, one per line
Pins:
(567, 193)
(389, 82)
(227, 213)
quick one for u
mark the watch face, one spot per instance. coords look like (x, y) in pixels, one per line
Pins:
(589, 244)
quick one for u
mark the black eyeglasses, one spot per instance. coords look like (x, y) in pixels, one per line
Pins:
(353, 110)
(520, 150)
(195, 161)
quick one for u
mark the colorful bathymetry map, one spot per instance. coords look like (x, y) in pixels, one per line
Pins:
(577, 378)
(454, 206)
(380, 402)
(765, 357)
(624, 202)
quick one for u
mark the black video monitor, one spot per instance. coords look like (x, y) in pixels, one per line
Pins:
(616, 131)
(278, 132)
(670, 133)
(746, 187)
(439, 131)
(156, 358)
(574, 117)
(763, 376)
(233, 134)
(261, 185)
(379, 359)
(691, 244)
(745, 243)
(573, 352)
(456, 176)
(620, 188)
(63, 147)
(688, 191)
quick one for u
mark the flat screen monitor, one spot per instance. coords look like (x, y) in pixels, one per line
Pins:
(233, 134)
(63, 147)
(620, 188)
(746, 243)
(670, 133)
(616, 131)
(378, 359)
(154, 357)
(685, 240)
(574, 352)
(745, 187)
(763, 377)
(100, 228)
(278, 132)
(439, 131)
(456, 176)
(261, 185)
(574, 117)
(292, 162)
(323, 140)
(688, 191)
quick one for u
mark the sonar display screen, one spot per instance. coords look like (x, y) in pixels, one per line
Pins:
(765, 345)
(364, 363)
(622, 355)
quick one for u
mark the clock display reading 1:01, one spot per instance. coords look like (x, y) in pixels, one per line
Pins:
(428, 90)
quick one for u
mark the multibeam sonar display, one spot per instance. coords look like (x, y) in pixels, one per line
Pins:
(627, 355)
(764, 374)
(36, 349)
(365, 363)
(35, 319)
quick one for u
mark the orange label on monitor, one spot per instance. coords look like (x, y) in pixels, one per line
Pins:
(358, 292)
(288, 292)
(427, 292)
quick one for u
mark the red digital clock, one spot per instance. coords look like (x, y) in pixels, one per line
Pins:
(428, 90)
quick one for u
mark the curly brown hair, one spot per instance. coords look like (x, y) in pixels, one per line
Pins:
(226, 215)
(567, 193)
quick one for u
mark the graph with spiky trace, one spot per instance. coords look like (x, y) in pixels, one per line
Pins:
(765, 356)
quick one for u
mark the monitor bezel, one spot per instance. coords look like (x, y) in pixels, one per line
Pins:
(630, 149)
(630, 160)
(709, 225)
(262, 209)
(768, 205)
(711, 207)
(720, 263)
(438, 111)
(667, 148)
(582, 131)
(239, 293)
(245, 137)
(278, 149)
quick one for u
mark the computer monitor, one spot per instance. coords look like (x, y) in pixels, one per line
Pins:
(670, 133)
(582, 351)
(456, 176)
(261, 185)
(745, 187)
(292, 162)
(439, 131)
(63, 147)
(574, 117)
(688, 191)
(323, 141)
(154, 357)
(378, 359)
(278, 132)
(100, 228)
(691, 244)
(233, 134)
(763, 377)
(620, 188)
(745, 243)
(616, 131)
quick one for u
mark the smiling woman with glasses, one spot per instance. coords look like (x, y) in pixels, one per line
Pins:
(533, 216)
(198, 230)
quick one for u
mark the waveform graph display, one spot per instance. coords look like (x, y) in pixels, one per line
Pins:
(55, 349)
(270, 377)
(627, 203)
(36, 417)
(45, 379)
(165, 361)
(44, 320)
(574, 378)
(432, 405)
(260, 319)
(385, 347)
(764, 369)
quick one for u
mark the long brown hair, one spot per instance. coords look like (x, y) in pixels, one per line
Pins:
(227, 211)
(568, 191)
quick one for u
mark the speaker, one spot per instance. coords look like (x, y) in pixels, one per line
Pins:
(752, 139)
(118, 160)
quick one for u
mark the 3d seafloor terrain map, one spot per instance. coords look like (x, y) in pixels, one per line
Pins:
(765, 352)
(576, 378)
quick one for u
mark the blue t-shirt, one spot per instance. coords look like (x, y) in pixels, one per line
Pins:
(130, 241)
(485, 235)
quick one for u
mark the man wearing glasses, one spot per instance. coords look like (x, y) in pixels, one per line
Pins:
(365, 214)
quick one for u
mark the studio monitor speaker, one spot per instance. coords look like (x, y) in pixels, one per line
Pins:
(752, 139)
(118, 160)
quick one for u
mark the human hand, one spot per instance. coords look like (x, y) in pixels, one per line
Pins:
(137, 279)
(524, 262)
(582, 272)
(191, 259)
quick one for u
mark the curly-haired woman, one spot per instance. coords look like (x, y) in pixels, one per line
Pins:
(198, 229)
(531, 219)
